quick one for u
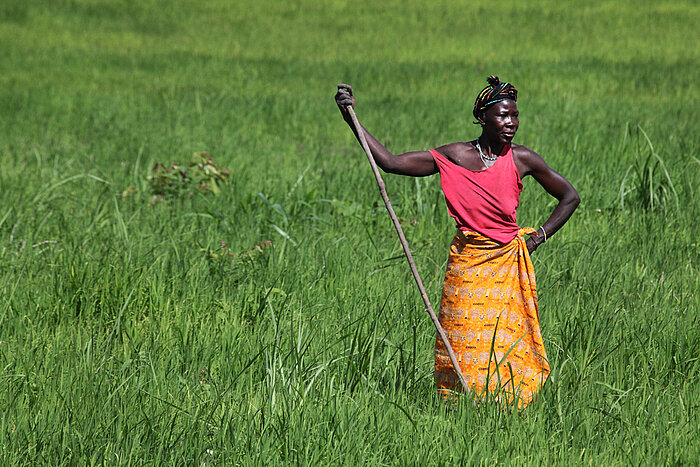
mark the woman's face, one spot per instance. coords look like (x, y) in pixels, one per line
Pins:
(500, 121)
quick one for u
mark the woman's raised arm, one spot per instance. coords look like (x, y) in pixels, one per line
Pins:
(414, 163)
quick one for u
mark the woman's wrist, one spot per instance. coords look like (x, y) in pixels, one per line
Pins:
(541, 235)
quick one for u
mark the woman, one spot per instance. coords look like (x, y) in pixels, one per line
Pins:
(488, 307)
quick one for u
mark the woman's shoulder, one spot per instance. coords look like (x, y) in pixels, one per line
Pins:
(455, 150)
(522, 153)
(526, 160)
(520, 150)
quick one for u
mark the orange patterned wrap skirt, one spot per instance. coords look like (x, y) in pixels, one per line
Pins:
(489, 313)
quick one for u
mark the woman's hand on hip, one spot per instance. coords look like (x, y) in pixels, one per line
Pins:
(531, 244)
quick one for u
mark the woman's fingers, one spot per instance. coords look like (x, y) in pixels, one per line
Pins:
(530, 244)
(345, 87)
(343, 97)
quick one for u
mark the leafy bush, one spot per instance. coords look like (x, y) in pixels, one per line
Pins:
(176, 180)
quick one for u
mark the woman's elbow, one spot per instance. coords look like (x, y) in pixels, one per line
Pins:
(387, 169)
(391, 166)
(574, 200)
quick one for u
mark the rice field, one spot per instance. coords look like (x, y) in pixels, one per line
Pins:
(255, 308)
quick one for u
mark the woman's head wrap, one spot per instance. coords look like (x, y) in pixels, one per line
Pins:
(494, 92)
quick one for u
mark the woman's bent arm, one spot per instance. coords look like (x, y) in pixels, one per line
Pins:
(556, 185)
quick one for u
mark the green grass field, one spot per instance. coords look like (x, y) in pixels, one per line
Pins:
(142, 331)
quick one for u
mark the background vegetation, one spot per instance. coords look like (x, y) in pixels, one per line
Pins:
(277, 322)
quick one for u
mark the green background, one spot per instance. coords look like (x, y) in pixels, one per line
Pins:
(147, 331)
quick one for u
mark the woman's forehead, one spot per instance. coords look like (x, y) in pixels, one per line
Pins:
(508, 105)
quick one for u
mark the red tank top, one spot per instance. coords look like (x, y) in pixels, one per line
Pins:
(483, 201)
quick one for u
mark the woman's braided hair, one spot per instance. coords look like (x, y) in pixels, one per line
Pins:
(494, 92)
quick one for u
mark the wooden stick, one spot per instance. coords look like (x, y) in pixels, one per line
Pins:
(404, 244)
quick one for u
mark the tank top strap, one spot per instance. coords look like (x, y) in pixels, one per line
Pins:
(510, 165)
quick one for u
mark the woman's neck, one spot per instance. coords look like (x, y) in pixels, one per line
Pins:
(493, 148)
